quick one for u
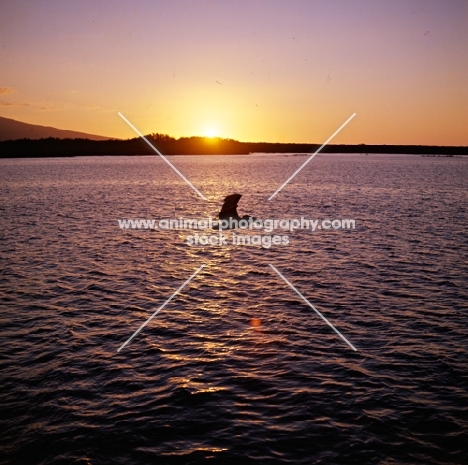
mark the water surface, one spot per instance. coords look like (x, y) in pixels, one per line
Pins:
(236, 368)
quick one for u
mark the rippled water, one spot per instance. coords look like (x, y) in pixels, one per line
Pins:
(236, 368)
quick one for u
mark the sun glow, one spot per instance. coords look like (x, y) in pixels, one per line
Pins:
(210, 132)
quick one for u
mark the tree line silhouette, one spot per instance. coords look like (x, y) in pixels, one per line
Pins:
(167, 145)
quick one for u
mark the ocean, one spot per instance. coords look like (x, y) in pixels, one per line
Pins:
(239, 366)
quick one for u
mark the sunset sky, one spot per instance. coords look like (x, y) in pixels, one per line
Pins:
(277, 71)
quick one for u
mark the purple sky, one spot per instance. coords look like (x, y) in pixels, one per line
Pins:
(288, 71)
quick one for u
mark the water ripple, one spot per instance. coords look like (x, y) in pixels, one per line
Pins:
(236, 368)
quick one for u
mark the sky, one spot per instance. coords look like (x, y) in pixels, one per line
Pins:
(275, 71)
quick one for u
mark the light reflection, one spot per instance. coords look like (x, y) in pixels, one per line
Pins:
(256, 324)
(195, 386)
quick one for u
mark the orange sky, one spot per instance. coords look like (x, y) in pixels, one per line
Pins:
(286, 71)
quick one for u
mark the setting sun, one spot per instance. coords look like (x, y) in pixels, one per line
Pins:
(211, 132)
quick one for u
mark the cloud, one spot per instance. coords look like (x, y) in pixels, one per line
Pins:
(28, 105)
(11, 90)
(6, 90)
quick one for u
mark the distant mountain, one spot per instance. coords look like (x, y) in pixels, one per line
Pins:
(11, 129)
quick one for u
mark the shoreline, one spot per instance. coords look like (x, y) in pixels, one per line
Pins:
(40, 148)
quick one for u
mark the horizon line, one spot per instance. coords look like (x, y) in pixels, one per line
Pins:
(207, 138)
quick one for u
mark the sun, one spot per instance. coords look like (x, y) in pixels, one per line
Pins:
(211, 132)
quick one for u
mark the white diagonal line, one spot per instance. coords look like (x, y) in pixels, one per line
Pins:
(313, 308)
(313, 155)
(160, 308)
(162, 156)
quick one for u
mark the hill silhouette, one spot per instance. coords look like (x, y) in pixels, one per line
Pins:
(11, 129)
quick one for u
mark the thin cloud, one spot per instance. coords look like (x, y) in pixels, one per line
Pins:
(6, 90)
(28, 105)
